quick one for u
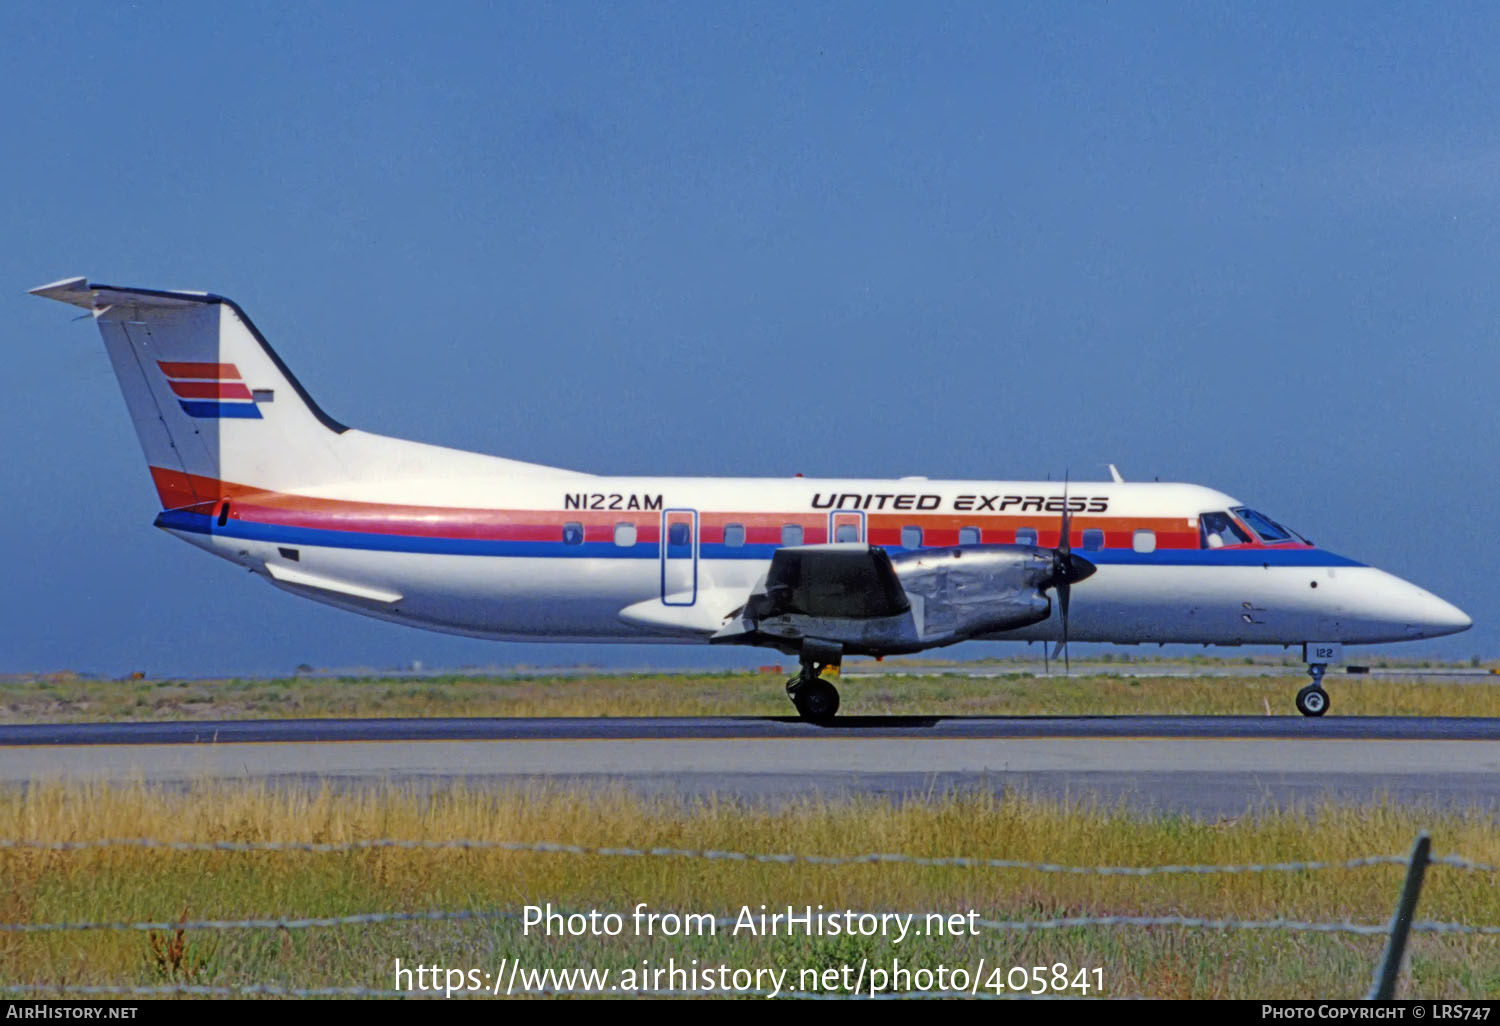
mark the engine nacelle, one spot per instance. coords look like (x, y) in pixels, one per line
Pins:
(966, 591)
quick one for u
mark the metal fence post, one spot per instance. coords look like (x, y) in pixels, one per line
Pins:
(1384, 986)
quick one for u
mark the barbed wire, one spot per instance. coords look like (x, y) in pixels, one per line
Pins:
(303, 923)
(728, 922)
(278, 990)
(1291, 925)
(788, 858)
(525, 847)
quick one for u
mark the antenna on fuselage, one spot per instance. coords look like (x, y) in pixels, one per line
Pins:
(1114, 474)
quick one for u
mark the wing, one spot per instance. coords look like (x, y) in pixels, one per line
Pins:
(838, 580)
(839, 598)
(852, 599)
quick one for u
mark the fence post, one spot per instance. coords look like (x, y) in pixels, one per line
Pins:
(1384, 986)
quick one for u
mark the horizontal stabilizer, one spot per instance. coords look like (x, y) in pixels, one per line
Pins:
(80, 292)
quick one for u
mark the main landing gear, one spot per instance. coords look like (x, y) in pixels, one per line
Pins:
(1313, 700)
(817, 701)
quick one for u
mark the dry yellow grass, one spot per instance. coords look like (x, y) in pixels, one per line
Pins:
(130, 884)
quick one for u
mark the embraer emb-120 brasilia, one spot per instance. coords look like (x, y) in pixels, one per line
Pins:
(249, 468)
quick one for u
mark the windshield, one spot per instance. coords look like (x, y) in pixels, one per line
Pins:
(1269, 530)
(1216, 530)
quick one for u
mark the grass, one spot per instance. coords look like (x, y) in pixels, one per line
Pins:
(143, 885)
(69, 698)
(132, 884)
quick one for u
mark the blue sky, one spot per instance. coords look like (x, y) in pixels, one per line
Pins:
(1250, 246)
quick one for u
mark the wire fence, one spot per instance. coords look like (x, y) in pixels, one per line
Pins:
(1395, 930)
(728, 922)
(785, 858)
(275, 990)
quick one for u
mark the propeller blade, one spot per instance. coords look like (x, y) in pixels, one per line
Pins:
(1064, 599)
(1065, 584)
(1064, 546)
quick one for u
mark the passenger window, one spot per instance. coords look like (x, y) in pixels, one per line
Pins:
(846, 533)
(677, 534)
(734, 535)
(968, 536)
(911, 537)
(1216, 530)
(791, 534)
(572, 533)
(1026, 536)
(1093, 539)
(1144, 540)
(625, 535)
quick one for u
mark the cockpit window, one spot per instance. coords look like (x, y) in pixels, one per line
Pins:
(1269, 530)
(1216, 530)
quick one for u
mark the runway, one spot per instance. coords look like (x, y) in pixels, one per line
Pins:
(1202, 766)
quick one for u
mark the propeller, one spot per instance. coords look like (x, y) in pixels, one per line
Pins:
(1067, 569)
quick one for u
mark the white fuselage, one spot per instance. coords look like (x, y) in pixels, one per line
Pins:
(579, 558)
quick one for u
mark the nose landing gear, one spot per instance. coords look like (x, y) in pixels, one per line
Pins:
(1312, 700)
(817, 701)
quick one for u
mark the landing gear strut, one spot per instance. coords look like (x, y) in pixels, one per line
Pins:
(816, 700)
(1313, 700)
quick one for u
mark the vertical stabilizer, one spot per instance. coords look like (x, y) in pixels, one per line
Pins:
(210, 400)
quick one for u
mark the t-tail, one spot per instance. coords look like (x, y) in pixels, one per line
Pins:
(219, 414)
(211, 401)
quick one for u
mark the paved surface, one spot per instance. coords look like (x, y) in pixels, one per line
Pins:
(1207, 766)
(1350, 673)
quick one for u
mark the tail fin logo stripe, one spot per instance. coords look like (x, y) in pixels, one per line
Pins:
(210, 390)
(201, 371)
(216, 411)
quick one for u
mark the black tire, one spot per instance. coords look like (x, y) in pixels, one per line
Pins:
(817, 701)
(1312, 701)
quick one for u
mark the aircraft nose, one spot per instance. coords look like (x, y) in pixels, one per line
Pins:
(1426, 615)
(1450, 620)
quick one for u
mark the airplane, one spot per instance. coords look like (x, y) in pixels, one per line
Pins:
(248, 467)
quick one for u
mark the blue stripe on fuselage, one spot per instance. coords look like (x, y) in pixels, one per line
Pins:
(197, 523)
(1217, 557)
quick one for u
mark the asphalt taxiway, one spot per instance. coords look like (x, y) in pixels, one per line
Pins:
(1206, 766)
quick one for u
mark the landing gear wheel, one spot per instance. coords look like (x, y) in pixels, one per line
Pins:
(816, 700)
(1312, 701)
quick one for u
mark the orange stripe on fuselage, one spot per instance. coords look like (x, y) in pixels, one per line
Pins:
(177, 489)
